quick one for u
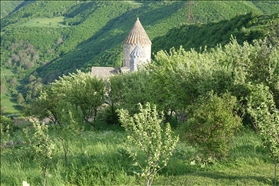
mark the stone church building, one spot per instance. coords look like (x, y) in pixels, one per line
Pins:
(136, 51)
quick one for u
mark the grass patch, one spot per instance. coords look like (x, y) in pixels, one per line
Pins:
(100, 158)
(45, 22)
(10, 107)
(133, 2)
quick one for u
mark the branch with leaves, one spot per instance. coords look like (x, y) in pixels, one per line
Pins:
(145, 130)
(261, 107)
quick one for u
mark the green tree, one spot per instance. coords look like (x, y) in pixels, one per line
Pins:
(3, 88)
(3, 109)
(180, 76)
(7, 124)
(59, 41)
(255, 63)
(20, 98)
(80, 89)
(41, 145)
(6, 128)
(68, 130)
(212, 124)
(28, 96)
(262, 108)
(78, 93)
(128, 89)
(13, 81)
(50, 105)
(145, 130)
(31, 78)
(46, 105)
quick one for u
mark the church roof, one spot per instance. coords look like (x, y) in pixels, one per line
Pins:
(104, 72)
(137, 35)
(138, 52)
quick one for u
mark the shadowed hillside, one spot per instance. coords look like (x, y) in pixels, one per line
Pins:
(9, 6)
(244, 27)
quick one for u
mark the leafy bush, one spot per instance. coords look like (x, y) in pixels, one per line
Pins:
(7, 125)
(145, 131)
(262, 108)
(108, 115)
(41, 146)
(211, 124)
(128, 89)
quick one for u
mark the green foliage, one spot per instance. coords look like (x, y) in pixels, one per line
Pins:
(20, 99)
(145, 130)
(65, 133)
(260, 66)
(78, 96)
(254, 63)
(211, 125)
(209, 35)
(181, 76)
(129, 89)
(41, 146)
(7, 124)
(107, 115)
(45, 105)
(6, 127)
(263, 110)
(83, 91)
(265, 68)
(179, 80)
(267, 8)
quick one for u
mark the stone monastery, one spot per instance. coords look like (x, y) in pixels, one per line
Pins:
(136, 51)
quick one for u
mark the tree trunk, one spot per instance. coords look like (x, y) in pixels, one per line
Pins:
(65, 152)
(44, 177)
(275, 177)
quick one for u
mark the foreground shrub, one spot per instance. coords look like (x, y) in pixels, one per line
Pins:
(41, 146)
(261, 106)
(212, 124)
(145, 131)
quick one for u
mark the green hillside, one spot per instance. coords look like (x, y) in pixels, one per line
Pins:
(8, 6)
(244, 27)
(45, 39)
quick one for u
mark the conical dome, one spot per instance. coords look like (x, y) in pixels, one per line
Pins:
(137, 53)
(137, 35)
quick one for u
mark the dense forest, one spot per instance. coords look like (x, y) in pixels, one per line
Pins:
(204, 111)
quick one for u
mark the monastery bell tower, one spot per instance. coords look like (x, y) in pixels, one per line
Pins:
(136, 37)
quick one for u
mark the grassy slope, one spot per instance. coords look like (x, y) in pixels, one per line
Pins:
(8, 6)
(45, 22)
(99, 158)
(267, 7)
(94, 38)
(10, 105)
